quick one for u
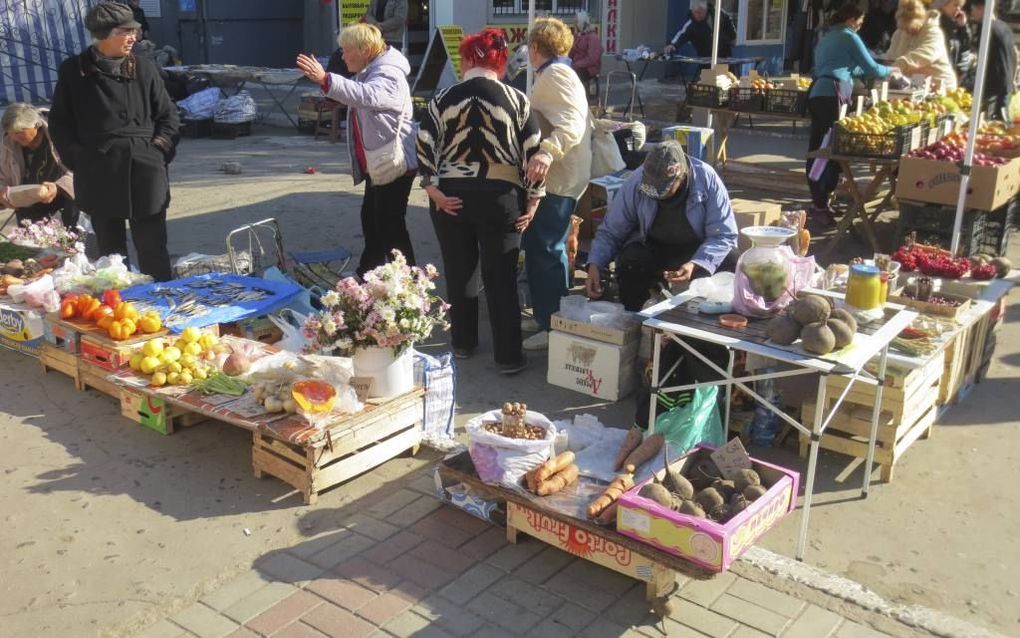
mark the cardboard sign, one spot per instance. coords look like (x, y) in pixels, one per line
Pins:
(352, 10)
(452, 35)
(731, 458)
(860, 105)
(362, 386)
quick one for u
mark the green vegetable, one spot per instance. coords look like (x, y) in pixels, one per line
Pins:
(10, 251)
(219, 383)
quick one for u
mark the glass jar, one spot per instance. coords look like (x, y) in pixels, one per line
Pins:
(762, 282)
(864, 288)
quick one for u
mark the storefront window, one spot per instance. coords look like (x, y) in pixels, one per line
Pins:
(520, 7)
(760, 20)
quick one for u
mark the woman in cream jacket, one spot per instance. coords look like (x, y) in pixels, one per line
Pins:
(560, 103)
(918, 46)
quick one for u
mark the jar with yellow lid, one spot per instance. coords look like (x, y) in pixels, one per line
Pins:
(864, 288)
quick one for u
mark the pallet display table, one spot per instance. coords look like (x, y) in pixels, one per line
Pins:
(679, 321)
(584, 539)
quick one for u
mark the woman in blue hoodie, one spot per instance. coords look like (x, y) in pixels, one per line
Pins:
(839, 58)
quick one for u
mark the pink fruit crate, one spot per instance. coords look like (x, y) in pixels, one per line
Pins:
(702, 541)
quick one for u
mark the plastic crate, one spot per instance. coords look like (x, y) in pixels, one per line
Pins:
(980, 232)
(786, 101)
(706, 95)
(878, 145)
(197, 128)
(747, 99)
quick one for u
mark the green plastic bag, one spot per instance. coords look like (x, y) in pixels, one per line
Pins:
(695, 422)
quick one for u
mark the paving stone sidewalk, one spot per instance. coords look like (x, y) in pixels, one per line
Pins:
(411, 566)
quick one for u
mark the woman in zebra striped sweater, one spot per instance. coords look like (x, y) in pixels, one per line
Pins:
(473, 147)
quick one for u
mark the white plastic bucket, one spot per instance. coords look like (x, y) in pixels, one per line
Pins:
(391, 375)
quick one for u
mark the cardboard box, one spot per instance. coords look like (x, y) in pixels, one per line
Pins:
(598, 333)
(924, 180)
(693, 138)
(21, 328)
(753, 213)
(712, 545)
(602, 370)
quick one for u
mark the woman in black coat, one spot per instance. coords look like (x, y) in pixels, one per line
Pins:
(115, 126)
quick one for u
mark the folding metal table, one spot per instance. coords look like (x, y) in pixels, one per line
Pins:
(677, 319)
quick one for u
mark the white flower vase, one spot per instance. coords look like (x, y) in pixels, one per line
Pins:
(392, 375)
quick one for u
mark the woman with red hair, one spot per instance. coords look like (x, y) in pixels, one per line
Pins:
(473, 149)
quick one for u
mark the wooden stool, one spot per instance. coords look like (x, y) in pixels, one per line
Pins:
(334, 109)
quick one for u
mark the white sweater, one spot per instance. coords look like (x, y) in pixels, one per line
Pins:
(559, 101)
(924, 53)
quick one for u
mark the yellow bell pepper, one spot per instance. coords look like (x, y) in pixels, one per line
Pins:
(150, 323)
(125, 310)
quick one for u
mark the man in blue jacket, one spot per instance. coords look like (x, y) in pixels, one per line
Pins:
(670, 222)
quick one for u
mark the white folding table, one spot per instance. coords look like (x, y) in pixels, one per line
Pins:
(677, 320)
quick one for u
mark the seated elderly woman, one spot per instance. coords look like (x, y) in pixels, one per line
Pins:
(671, 222)
(918, 46)
(28, 158)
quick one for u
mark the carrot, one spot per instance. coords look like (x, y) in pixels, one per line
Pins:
(553, 465)
(648, 449)
(529, 479)
(616, 488)
(558, 481)
(629, 445)
(608, 515)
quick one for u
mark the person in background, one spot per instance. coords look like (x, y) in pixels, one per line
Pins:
(139, 15)
(1000, 73)
(115, 126)
(586, 54)
(697, 30)
(839, 57)
(954, 24)
(27, 156)
(380, 136)
(879, 25)
(474, 145)
(563, 162)
(391, 18)
(670, 222)
(919, 47)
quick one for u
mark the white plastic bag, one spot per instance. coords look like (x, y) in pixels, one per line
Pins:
(201, 105)
(503, 461)
(33, 293)
(605, 153)
(236, 109)
(289, 322)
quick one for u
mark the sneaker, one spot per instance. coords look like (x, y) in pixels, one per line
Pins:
(509, 369)
(530, 325)
(463, 353)
(537, 341)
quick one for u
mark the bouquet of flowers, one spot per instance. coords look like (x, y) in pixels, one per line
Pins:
(46, 233)
(394, 308)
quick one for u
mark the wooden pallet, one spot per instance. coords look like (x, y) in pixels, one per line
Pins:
(364, 441)
(154, 413)
(94, 377)
(906, 395)
(56, 358)
(956, 365)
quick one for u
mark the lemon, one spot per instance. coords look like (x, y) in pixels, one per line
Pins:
(200, 373)
(186, 378)
(173, 378)
(148, 365)
(159, 379)
(188, 360)
(180, 344)
(153, 347)
(175, 366)
(207, 341)
(193, 348)
(171, 354)
(136, 361)
(191, 335)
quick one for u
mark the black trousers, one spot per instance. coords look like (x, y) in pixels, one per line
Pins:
(824, 112)
(149, 236)
(64, 205)
(482, 237)
(383, 213)
(639, 268)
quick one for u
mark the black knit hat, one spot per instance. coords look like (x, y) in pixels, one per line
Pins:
(107, 16)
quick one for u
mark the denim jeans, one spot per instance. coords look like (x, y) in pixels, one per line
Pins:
(545, 256)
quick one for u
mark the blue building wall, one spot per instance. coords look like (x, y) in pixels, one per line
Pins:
(35, 37)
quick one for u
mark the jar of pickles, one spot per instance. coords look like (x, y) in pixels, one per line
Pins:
(864, 288)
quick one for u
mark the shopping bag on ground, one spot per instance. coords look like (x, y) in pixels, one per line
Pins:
(439, 378)
(693, 423)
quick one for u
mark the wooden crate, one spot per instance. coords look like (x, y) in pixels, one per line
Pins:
(103, 352)
(957, 359)
(95, 377)
(62, 334)
(153, 412)
(55, 358)
(352, 447)
(909, 409)
(849, 429)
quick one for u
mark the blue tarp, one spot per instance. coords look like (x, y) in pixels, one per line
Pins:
(35, 37)
(281, 295)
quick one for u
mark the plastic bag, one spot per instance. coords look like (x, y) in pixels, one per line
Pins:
(694, 423)
(201, 105)
(289, 322)
(438, 375)
(716, 289)
(503, 461)
(801, 274)
(236, 109)
(39, 293)
(605, 152)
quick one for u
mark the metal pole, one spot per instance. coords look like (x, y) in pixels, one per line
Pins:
(975, 111)
(715, 52)
(876, 411)
(809, 487)
(531, 24)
